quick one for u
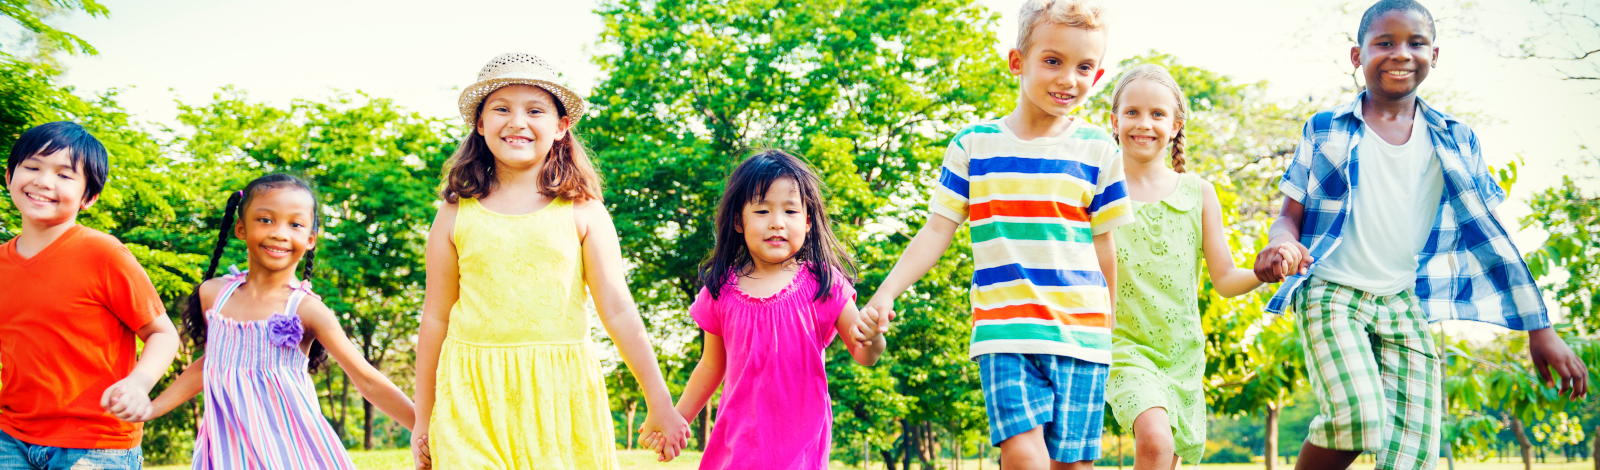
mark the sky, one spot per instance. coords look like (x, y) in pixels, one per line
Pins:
(420, 53)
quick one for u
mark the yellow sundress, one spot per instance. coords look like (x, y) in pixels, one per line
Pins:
(519, 386)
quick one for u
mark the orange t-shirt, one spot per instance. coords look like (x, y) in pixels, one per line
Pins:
(67, 322)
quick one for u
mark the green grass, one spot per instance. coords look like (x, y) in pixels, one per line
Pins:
(642, 460)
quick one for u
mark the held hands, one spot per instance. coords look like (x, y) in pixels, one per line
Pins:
(666, 431)
(872, 324)
(1282, 259)
(420, 453)
(129, 399)
(1550, 352)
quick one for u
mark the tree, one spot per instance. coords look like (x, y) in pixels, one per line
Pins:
(868, 92)
(31, 15)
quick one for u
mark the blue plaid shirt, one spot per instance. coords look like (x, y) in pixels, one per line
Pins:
(1468, 269)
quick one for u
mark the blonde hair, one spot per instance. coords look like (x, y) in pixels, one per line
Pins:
(1158, 74)
(1070, 13)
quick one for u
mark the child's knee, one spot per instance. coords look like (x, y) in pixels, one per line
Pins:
(1155, 445)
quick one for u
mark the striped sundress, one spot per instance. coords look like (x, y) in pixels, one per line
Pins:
(261, 405)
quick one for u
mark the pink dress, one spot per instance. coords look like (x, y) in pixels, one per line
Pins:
(775, 410)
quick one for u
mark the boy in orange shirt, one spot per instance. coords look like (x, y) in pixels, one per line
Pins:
(75, 298)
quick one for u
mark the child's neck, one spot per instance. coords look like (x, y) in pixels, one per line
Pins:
(260, 280)
(1375, 108)
(1029, 122)
(762, 269)
(1149, 181)
(36, 236)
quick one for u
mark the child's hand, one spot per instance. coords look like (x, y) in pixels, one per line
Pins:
(1549, 351)
(421, 455)
(884, 309)
(658, 444)
(873, 325)
(129, 399)
(673, 429)
(1281, 260)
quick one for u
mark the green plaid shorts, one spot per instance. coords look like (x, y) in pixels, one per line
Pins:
(1375, 371)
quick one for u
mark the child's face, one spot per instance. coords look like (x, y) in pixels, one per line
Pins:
(520, 123)
(1057, 73)
(277, 228)
(1146, 121)
(775, 227)
(48, 189)
(1396, 54)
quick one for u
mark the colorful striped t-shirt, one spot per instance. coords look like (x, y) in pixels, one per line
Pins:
(1035, 207)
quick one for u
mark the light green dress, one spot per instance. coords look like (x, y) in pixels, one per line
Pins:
(1158, 348)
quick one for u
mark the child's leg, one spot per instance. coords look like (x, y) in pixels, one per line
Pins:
(1335, 325)
(1409, 364)
(98, 459)
(1152, 439)
(1020, 400)
(14, 453)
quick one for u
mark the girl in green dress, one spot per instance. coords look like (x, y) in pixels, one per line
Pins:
(1157, 346)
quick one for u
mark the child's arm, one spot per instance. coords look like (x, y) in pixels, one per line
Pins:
(706, 378)
(444, 284)
(129, 398)
(188, 384)
(1230, 281)
(869, 345)
(603, 272)
(323, 325)
(1105, 248)
(921, 254)
(1284, 255)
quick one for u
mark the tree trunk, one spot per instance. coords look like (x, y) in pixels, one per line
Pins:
(1522, 441)
(1271, 450)
(1596, 455)
(366, 427)
(633, 405)
(1119, 451)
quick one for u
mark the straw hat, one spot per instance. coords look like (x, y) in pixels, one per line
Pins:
(518, 69)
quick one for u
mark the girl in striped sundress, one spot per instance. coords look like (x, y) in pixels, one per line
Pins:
(262, 331)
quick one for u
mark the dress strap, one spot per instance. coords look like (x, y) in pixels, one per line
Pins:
(234, 279)
(292, 307)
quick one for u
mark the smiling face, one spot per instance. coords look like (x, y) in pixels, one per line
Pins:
(48, 189)
(1396, 54)
(1058, 71)
(278, 227)
(775, 227)
(1146, 120)
(519, 124)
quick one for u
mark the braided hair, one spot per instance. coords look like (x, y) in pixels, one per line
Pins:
(194, 316)
(1158, 74)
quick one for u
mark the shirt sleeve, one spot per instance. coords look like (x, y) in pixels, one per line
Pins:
(829, 309)
(1298, 175)
(704, 313)
(950, 195)
(1110, 207)
(128, 292)
(1484, 179)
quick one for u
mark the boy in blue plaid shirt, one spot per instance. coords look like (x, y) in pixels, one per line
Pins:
(1389, 226)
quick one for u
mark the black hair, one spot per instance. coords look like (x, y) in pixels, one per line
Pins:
(86, 152)
(194, 317)
(749, 183)
(1385, 6)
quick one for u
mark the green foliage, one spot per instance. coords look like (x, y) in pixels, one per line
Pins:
(868, 92)
(1571, 215)
(31, 14)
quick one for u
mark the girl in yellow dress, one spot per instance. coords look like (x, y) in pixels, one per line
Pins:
(506, 373)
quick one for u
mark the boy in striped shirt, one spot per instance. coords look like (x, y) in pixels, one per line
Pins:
(1042, 190)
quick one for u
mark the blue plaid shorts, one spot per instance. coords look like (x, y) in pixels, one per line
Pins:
(1064, 394)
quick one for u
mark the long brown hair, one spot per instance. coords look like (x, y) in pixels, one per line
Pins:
(566, 172)
(1158, 74)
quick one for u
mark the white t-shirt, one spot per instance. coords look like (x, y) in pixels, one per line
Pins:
(1392, 210)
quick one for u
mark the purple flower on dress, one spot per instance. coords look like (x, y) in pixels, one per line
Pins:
(284, 330)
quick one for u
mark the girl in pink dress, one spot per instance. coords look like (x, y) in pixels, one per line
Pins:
(776, 293)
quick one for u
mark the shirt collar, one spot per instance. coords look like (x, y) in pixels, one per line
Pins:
(1438, 121)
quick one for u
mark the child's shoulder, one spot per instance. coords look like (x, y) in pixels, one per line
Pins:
(95, 245)
(989, 128)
